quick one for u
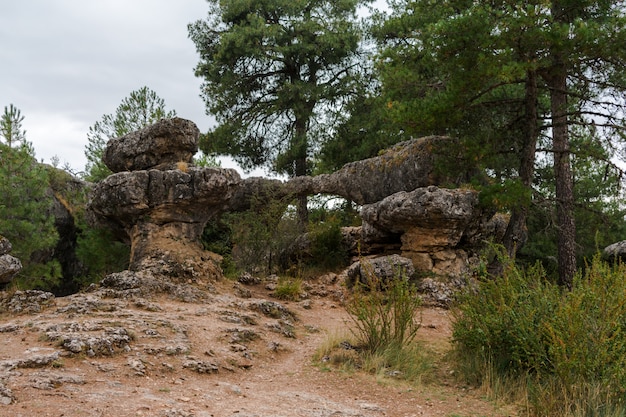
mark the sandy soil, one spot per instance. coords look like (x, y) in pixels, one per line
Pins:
(225, 357)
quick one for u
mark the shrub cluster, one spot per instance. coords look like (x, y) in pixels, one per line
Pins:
(568, 346)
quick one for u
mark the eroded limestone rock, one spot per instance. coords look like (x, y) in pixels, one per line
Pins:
(615, 252)
(10, 266)
(163, 144)
(162, 212)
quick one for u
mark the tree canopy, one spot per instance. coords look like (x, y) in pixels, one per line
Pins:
(509, 76)
(25, 205)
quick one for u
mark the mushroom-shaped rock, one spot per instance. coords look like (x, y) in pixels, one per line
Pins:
(431, 222)
(163, 144)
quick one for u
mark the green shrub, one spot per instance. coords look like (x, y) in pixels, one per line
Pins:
(288, 289)
(383, 315)
(327, 248)
(569, 346)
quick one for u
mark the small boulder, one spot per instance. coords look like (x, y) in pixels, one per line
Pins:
(5, 245)
(379, 270)
(10, 266)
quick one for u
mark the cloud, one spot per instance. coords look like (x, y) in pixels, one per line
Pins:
(68, 62)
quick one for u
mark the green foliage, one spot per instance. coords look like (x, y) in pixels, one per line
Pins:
(258, 237)
(101, 254)
(11, 130)
(275, 72)
(141, 108)
(327, 248)
(25, 215)
(565, 345)
(383, 314)
(599, 213)
(524, 63)
(288, 289)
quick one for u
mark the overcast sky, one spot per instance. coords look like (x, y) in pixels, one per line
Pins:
(66, 63)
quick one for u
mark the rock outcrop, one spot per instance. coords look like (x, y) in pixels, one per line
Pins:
(437, 227)
(161, 203)
(162, 211)
(615, 252)
(10, 266)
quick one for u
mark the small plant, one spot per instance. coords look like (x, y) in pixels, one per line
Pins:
(288, 289)
(383, 313)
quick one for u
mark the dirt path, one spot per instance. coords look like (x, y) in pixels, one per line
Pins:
(230, 356)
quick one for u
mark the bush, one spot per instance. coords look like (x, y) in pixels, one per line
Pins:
(569, 346)
(288, 289)
(327, 248)
(384, 314)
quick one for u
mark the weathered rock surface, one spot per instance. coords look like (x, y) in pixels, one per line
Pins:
(5, 245)
(10, 266)
(436, 226)
(373, 271)
(615, 252)
(162, 144)
(403, 167)
(163, 214)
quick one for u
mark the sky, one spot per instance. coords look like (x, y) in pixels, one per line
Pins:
(66, 63)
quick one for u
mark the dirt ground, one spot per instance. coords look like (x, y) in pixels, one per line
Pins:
(238, 353)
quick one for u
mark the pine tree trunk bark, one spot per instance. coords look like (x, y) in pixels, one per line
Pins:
(517, 233)
(557, 83)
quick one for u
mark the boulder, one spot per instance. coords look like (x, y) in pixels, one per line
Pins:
(163, 144)
(10, 266)
(436, 226)
(377, 271)
(615, 252)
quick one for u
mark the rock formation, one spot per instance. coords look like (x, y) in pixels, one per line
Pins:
(161, 203)
(436, 226)
(615, 252)
(10, 266)
(163, 211)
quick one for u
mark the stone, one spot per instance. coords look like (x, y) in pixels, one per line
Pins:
(163, 213)
(379, 270)
(5, 245)
(10, 266)
(26, 302)
(615, 252)
(165, 143)
(403, 167)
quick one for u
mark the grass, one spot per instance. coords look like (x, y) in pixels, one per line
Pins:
(288, 289)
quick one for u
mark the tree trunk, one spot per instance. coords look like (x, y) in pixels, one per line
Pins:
(300, 148)
(516, 232)
(557, 83)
